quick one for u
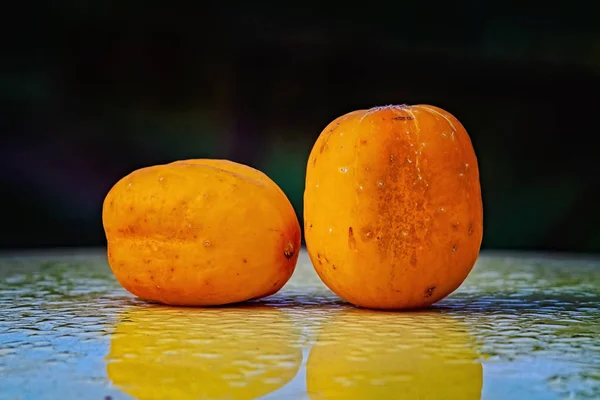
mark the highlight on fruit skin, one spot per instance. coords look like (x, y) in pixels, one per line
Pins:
(200, 233)
(393, 212)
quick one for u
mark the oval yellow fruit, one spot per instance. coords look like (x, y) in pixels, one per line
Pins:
(392, 207)
(200, 232)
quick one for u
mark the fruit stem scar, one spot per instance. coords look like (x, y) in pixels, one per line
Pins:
(288, 252)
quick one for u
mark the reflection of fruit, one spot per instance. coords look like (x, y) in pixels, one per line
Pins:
(392, 207)
(361, 354)
(200, 232)
(243, 353)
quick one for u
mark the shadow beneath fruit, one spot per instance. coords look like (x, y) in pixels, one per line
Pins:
(517, 303)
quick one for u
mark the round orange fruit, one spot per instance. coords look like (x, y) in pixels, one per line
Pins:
(200, 232)
(392, 207)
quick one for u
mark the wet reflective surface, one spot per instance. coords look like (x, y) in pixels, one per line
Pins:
(521, 326)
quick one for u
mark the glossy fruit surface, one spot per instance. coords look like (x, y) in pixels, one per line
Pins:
(392, 206)
(200, 232)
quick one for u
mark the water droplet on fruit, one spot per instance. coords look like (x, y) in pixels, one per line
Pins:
(361, 187)
(330, 230)
(409, 160)
(206, 243)
(160, 179)
(343, 170)
(466, 165)
(461, 175)
(380, 183)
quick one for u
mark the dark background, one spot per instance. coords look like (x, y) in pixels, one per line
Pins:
(93, 90)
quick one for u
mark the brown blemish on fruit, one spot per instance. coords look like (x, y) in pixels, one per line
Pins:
(288, 252)
(172, 269)
(363, 141)
(319, 259)
(351, 239)
(403, 118)
(454, 248)
(244, 260)
(470, 228)
(337, 124)
(323, 146)
(366, 233)
(429, 291)
(413, 259)
(455, 227)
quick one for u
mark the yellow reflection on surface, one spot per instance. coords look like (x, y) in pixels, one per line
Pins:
(361, 354)
(232, 353)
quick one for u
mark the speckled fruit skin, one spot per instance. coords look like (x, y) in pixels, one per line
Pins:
(392, 207)
(200, 232)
